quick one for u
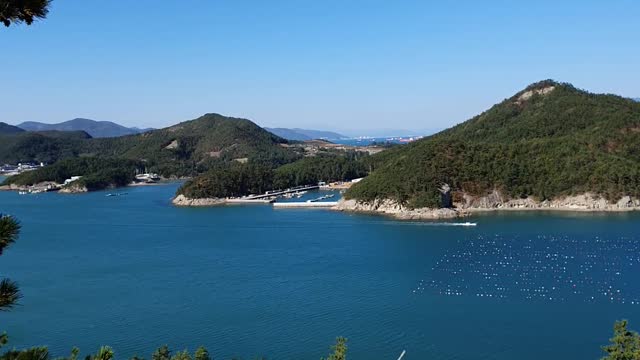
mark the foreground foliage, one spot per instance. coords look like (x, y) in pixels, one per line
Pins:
(104, 353)
(625, 344)
(339, 352)
(17, 11)
(560, 142)
(9, 231)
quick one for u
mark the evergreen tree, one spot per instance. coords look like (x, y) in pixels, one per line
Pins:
(162, 353)
(17, 11)
(9, 231)
(105, 353)
(339, 350)
(181, 355)
(625, 344)
(202, 354)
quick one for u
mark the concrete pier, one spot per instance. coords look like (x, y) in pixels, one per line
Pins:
(249, 201)
(317, 204)
(278, 193)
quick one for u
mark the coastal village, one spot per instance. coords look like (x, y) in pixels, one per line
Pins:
(10, 170)
(66, 186)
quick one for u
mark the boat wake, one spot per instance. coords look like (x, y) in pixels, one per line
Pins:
(424, 223)
(462, 224)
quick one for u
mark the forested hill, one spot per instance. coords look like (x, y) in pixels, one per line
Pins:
(45, 146)
(184, 149)
(547, 140)
(9, 129)
(193, 146)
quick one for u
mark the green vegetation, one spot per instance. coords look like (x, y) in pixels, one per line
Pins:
(625, 344)
(104, 353)
(321, 168)
(185, 149)
(548, 140)
(235, 179)
(229, 180)
(235, 157)
(192, 147)
(18, 11)
(339, 350)
(97, 173)
(47, 146)
(9, 292)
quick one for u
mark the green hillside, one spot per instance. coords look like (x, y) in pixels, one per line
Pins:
(185, 149)
(192, 147)
(210, 142)
(46, 146)
(234, 179)
(548, 140)
(99, 173)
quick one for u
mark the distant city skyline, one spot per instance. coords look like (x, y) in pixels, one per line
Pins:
(339, 66)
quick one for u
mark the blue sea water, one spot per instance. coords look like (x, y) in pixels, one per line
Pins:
(135, 272)
(365, 141)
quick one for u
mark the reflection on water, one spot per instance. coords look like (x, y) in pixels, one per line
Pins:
(545, 268)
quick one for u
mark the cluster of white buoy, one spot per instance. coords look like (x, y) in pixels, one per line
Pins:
(540, 268)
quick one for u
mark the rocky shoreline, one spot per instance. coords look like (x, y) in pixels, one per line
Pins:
(182, 200)
(584, 202)
(392, 208)
(492, 202)
(73, 189)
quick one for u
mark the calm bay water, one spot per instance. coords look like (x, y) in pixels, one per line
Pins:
(134, 272)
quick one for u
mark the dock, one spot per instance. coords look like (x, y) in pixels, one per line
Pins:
(249, 201)
(282, 192)
(317, 204)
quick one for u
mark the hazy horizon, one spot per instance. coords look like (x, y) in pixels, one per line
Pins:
(329, 66)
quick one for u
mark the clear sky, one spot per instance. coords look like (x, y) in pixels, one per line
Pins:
(330, 64)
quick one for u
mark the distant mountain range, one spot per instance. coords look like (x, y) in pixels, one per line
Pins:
(97, 129)
(9, 129)
(636, 99)
(305, 134)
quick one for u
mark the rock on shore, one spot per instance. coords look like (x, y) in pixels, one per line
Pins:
(182, 200)
(494, 201)
(392, 208)
(583, 202)
(74, 189)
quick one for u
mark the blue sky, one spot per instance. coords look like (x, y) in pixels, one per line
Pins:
(331, 64)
